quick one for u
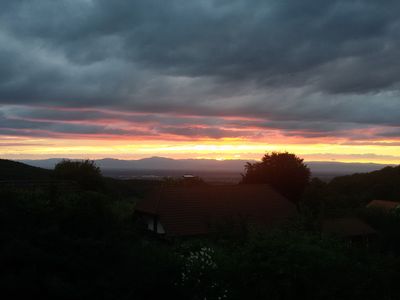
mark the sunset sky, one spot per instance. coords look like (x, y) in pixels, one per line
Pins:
(200, 79)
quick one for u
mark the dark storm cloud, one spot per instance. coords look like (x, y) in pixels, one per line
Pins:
(97, 122)
(14, 126)
(298, 64)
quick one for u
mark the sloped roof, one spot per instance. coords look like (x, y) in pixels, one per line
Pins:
(191, 210)
(383, 204)
(347, 227)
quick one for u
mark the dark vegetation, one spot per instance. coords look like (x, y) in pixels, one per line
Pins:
(76, 246)
(85, 244)
(359, 189)
(12, 170)
(348, 194)
(285, 172)
(85, 173)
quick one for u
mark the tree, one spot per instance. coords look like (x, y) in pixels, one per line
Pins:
(313, 203)
(85, 173)
(284, 171)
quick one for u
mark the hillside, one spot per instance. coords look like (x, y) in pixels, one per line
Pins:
(12, 170)
(381, 184)
(349, 192)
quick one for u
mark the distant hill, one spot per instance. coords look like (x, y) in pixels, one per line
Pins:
(361, 188)
(162, 163)
(42, 163)
(154, 163)
(12, 170)
(341, 168)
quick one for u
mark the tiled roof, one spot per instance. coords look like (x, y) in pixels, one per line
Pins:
(347, 227)
(383, 204)
(191, 210)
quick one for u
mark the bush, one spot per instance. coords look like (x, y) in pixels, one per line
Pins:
(76, 246)
(85, 173)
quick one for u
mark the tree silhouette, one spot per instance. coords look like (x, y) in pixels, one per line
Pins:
(284, 171)
(85, 173)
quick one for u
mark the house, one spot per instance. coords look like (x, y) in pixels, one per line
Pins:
(383, 205)
(350, 228)
(195, 210)
(188, 176)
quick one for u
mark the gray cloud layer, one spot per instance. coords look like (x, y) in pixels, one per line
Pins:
(313, 62)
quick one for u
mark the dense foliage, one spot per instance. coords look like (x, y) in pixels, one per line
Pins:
(359, 189)
(346, 195)
(84, 244)
(284, 171)
(85, 173)
(77, 246)
(87, 245)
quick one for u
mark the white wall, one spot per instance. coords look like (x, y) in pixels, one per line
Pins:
(150, 225)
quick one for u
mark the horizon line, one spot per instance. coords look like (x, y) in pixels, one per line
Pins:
(209, 159)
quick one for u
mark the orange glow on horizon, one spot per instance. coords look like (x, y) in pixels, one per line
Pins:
(227, 148)
(134, 135)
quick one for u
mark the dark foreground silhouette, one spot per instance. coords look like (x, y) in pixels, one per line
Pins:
(82, 244)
